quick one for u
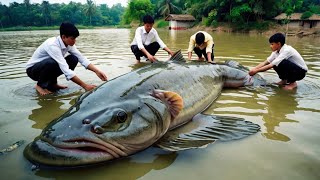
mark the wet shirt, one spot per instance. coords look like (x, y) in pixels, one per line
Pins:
(142, 38)
(54, 48)
(208, 42)
(289, 53)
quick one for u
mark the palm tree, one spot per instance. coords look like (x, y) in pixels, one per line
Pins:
(90, 9)
(27, 3)
(1, 24)
(46, 11)
(27, 18)
(167, 7)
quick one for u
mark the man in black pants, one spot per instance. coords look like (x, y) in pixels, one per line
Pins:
(48, 62)
(147, 42)
(285, 60)
(202, 44)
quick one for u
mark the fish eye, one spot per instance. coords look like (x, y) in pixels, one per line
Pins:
(121, 116)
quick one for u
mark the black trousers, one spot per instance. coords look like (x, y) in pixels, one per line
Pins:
(203, 52)
(289, 71)
(151, 48)
(47, 71)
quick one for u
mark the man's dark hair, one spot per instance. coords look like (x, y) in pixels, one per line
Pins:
(68, 29)
(147, 19)
(200, 38)
(278, 37)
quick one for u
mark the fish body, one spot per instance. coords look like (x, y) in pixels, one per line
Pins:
(134, 111)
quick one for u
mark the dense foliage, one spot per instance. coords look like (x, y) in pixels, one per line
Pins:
(46, 14)
(239, 13)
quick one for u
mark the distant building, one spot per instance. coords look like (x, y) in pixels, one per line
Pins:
(296, 22)
(180, 21)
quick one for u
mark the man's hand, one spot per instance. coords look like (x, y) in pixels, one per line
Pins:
(89, 87)
(101, 75)
(252, 72)
(171, 53)
(151, 58)
(98, 72)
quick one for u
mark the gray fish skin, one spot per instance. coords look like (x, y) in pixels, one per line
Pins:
(122, 117)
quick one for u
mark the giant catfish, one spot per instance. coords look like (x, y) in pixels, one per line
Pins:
(159, 104)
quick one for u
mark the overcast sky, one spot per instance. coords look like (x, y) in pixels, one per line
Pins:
(110, 3)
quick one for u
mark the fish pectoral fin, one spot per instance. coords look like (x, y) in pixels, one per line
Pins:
(173, 100)
(206, 129)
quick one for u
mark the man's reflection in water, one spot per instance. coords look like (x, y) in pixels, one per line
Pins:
(279, 106)
(123, 169)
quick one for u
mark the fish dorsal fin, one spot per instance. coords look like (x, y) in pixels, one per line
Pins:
(177, 57)
(173, 100)
(206, 129)
(235, 64)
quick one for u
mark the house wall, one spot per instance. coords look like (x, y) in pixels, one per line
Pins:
(294, 24)
(316, 24)
(179, 25)
(304, 24)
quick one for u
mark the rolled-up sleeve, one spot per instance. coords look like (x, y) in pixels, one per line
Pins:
(271, 57)
(55, 52)
(209, 44)
(82, 60)
(283, 55)
(191, 44)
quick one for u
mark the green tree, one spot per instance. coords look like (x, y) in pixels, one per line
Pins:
(90, 10)
(136, 10)
(167, 7)
(289, 7)
(46, 11)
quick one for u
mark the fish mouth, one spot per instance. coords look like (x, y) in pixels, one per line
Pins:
(92, 146)
(73, 152)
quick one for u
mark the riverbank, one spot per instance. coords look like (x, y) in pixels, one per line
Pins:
(35, 28)
(223, 27)
(273, 28)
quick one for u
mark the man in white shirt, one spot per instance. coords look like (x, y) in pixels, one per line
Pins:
(285, 60)
(147, 42)
(48, 62)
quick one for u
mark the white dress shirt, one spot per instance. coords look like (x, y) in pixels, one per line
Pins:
(289, 53)
(54, 48)
(143, 38)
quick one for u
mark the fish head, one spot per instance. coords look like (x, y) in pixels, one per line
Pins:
(90, 134)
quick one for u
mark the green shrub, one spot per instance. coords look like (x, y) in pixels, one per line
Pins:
(161, 23)
(306, 15)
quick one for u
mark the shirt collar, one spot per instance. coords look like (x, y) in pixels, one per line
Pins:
(282, 48)
(144, 30)
(61, 43)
